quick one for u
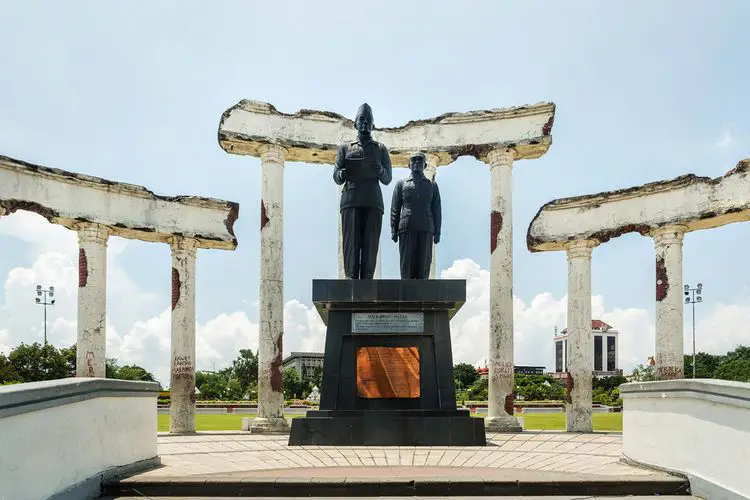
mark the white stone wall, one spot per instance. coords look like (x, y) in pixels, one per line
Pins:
(128, 211)
(700, 428)
(47, 451)
(314, 136)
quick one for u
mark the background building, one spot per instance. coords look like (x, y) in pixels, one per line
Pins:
(304, 362)
(605, 350)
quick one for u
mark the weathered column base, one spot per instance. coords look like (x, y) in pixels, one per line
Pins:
(274, 425)
(503, 423)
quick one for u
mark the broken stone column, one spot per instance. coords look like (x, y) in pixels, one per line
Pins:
(182, 384)
(92, 300)
(430, 172)
(669, 352)
(578, 398)
(270, 417)
(501, 368)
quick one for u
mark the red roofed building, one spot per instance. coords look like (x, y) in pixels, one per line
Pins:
(605, 350)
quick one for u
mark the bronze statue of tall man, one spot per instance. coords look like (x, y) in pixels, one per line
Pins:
(361, 165)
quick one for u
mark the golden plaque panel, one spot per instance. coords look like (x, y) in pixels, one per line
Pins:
(388, 372)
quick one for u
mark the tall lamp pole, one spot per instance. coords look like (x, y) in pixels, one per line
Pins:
(693, 296)
(44, 298)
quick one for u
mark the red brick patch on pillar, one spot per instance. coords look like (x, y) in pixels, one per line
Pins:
(569, 390)
(83, 268)
(263, 217)
(662, 281)
(276, 376)
(496, 224)
(175, 287)
(509, 400)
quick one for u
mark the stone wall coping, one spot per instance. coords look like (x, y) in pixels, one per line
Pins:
(16, 399)
(719, 391)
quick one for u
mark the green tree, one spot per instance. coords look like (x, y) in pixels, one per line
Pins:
(245, 368)
(8, 374)
(234, 390)
(643, 373)
(464, 375)
(69, 354)
(295, 386)
(706, 365)
(478, 390)
(134, 372)
(37, 362)
(608, 383)
(735, 365)
(111, 367)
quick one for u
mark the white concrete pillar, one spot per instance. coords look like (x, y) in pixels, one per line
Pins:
(580, 337)
(91, 340)
(501, 366)
(182, 366)
(669, 352)
(270, 417)
(430, 172)
(340, 248)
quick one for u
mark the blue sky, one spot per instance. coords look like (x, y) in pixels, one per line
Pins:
(133, 92)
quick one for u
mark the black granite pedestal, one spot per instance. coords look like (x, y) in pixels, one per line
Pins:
(388, 366)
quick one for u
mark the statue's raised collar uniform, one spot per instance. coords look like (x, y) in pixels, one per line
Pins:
(361, 167)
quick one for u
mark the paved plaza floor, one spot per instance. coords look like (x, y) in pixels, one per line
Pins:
(218, 464)
(235, 453)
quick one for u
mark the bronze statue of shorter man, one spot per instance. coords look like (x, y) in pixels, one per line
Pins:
(361, 165)
(416, 217)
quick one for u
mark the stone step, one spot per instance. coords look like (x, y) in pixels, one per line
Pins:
(430, 497)
(238, 485)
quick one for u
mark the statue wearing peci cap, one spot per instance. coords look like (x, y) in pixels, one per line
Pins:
(361, 165)
(416, 219)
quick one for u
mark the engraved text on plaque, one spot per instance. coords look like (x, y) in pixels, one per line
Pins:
(401, 322)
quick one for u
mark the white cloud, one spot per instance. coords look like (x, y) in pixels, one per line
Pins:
(725, 140)
(147, 341)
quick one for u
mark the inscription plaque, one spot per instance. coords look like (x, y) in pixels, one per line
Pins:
(388, 372)
(405, 322)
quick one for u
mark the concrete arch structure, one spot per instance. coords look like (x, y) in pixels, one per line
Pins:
(497, 137)
(96, 209)
(664, 211)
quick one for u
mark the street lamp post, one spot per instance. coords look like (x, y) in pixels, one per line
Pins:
(693, 296)
(44, 298)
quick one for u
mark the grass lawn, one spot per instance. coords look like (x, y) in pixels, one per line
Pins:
(550, 421)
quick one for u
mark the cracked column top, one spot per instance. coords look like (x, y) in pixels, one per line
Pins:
(691, 201)
(312, 136)
(128, 210)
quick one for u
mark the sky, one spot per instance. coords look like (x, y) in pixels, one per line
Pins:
(134, 91)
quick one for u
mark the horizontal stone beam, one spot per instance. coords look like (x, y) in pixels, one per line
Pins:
(694, 202)
(312, 136)
(128, 210)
